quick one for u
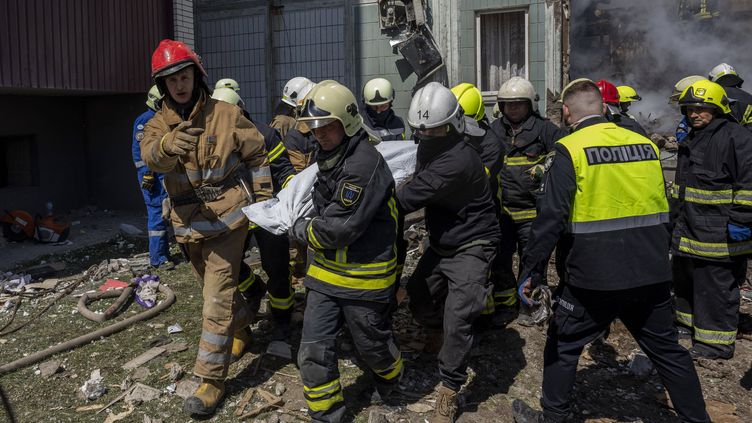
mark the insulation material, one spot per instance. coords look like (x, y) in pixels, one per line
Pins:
(277, 215)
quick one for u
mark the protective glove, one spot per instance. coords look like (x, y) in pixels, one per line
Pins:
(739, 233)
(525, 290)
(299, 229)
(147, 182)
(182, 140)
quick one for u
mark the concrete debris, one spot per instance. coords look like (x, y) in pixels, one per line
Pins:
(14, 283)
(176, 328)
(273, 418)
(142, 393)
(279, 389)
(94, 387)
(174, 347)
(640, 365)
(171, 388)
(111, 418)
(140, 374)
(126, 384)
(144, 358)
(376, 416)
(419, 407)
(49, 368)
(128, 229)
(721, 412)
(148, 419)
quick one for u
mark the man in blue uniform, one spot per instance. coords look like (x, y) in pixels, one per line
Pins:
(152, 188)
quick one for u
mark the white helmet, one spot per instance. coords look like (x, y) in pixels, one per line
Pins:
(295, 90)
(228, 95)
(153, 98)
(378, 91)
(682, 85)
(728, 73)
(227, 83)
(433, 106)
(515, 89)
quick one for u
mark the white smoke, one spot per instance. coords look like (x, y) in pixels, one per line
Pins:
(670, 49)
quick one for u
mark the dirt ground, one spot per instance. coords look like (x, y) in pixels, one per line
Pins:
(505, 364)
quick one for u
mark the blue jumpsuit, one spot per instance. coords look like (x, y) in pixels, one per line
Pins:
(159, 248)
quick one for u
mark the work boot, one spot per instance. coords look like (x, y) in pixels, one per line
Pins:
(525, 317)
(699, 350)
(446, 405)
(683, 332)
(241, 339)
(434, 341)
(523, 413)
(504, 315)
(204, 401)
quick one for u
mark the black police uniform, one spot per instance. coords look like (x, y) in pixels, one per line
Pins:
(714, 182)
(450, 285)
(273, 249)
(352, 277)
(522, 149)
(623, 120)
(620, 273)
(385, 125)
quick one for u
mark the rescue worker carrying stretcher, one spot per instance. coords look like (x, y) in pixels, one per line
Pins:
(712, 237)
(606, 188)
(351, 280)
(273, 249)
(214, 163)
(527, 142)
(449, 287)
(293, 94)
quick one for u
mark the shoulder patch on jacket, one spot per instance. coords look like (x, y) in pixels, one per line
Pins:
(350, 194)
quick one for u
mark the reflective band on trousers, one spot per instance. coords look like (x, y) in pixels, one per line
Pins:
(703, 196)
(715, 336)
(156, 233)
(281, 303)
(506, 297)
(323, 397)
(391, 372)
(216, 339)
(247, 283)
(521, 214)
(489, 308)
(213, 357)
(684, 318)
(205, 227)
(743, 197)
(714, 249)
(139, 164)
(619, 223)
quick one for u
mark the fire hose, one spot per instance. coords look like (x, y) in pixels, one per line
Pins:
(123, 296)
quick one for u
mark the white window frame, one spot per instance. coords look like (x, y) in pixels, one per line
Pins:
(478, 70)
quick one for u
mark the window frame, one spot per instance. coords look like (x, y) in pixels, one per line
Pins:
(478, 70)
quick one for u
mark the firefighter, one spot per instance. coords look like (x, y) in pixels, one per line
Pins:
(627, 95)
(711, 238)
(682, 129)
(213, 159)
(379, 118)
(610, 95)
(273, 249)
(152, 189)
(292, 96)
(527, 141)
(606, 188)
(449, 287)
(471, 101)
(227, 83)
(351, 280)
(741, 101)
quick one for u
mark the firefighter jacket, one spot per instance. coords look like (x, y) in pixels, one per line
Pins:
(627, 122)
(605, 188)
(301, 146)
(279, 162)
(520, 165)
(354, 230)
(450, 182)
(741, 105)
(205, 186)
(387, 126)
(714, 188)
(283, 124)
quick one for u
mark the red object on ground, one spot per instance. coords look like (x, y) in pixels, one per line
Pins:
(112, 284)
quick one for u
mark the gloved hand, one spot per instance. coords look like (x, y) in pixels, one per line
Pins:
(525, 290)
(182, 140)
(147, 181)
(299, 229)
(738, 232)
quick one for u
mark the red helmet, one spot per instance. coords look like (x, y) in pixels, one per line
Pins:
(609, 92)
(172, 56)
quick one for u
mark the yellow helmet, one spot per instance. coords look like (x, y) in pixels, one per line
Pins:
(470, 99)
(627, 94)
(329, 101)
(705, 94)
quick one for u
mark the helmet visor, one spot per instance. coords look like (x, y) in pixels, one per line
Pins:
(173, 69)
(314, 116)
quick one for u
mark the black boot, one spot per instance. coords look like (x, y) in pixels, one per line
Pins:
(523, 413)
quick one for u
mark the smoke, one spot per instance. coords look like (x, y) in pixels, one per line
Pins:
(645, 44)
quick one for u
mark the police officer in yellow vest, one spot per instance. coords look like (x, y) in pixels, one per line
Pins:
(351, 280)
(712, 237)
(606, 187)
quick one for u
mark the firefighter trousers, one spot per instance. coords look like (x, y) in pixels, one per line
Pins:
(370, 326)
(450, 292)
(275, 260)
(216, 264)
(581, 315)
(707, 300)
(514, 236)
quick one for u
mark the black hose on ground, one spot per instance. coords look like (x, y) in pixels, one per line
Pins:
(85, 339)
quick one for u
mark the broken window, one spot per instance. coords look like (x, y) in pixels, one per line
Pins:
(501, 47)
(18, 162)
